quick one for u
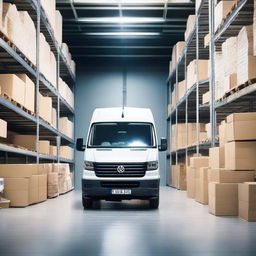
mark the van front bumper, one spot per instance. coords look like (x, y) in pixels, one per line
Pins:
(102, 189)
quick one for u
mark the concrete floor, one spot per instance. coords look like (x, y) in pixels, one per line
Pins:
(60, 227)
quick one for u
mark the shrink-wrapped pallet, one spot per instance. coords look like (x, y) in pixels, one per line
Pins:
(246, 62)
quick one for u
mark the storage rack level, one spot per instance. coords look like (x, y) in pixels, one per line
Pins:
(18, 119)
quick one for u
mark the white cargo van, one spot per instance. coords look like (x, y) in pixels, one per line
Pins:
(121, 156)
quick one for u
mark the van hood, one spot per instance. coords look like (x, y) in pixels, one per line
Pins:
(121, 155)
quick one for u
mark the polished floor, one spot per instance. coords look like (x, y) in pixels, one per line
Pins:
(60, 227)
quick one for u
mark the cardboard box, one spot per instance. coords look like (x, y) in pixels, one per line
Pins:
(217, 157)
(241, 126)
(3, 129)
(66, 127)
(199, 162)
(66, 152)
(53, 150)
(222, 9)
(191, 181)
(179, 176)
(18, 170)
(45, 108)
(52, 185)
(58, 27)
(247, 199)
(222, 134)
(17, 191)
(223, 199)
(29, 98)
(246, 62)
(240, 155)
(207, 40)
(191, 22)
(4, 203)
(44, 147)
(202, 186)
(202, 67)
(13, 86)
(54, 118)
(26, 141)
(227, 176)
(230, 82)
(229, 52)
(49, 8)
(181, 89)
(206, 97)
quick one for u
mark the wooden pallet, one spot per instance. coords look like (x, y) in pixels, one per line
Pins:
(7, 97)
(237, 89)
(16, 49)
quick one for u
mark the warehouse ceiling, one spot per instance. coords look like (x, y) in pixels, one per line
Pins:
(103, 30)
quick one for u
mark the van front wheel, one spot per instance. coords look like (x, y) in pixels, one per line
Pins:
(87, 203)
(154, 203)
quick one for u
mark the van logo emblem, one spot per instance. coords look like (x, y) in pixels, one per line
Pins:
(120, 169)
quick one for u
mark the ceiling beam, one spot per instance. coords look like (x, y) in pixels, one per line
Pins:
(119, 56)
(118, 47)
(145, 8)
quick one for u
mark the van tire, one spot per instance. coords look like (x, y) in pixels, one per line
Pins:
(154, 203)
(87, 203)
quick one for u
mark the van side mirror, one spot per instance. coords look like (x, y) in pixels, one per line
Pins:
(80, 144)
(163, 145)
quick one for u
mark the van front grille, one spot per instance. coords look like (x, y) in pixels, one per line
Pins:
(110, 169)
(120, 184)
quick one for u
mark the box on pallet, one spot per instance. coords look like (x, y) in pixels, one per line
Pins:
(3, 129)
(13, 87)
(229, 54)
(194, 67)
(246, 62)
(58, 27)
(45, 108)
(227, 176)
(223, 199)
(241, 126)
(222, 9)
(229, 82)
(29, 98)
(247, 199)
(191, 22)
(240, 155)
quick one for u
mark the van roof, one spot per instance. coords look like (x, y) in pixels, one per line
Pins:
(115, 115)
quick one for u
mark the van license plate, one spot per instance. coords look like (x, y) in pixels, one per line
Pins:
(121, 191)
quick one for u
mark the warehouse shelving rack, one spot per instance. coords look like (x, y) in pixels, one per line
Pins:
(189, 108)
(26, 122)
(239, 99)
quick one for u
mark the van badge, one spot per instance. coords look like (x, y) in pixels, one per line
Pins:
(120, 169)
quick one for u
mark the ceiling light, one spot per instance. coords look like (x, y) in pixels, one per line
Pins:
(121, 20)
(122, 34)
(137, 2)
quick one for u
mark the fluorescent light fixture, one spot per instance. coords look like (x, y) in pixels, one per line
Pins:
(121, 20)
(122, 34)
(137, 2)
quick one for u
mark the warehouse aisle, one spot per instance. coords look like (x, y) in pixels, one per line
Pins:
(180, 227)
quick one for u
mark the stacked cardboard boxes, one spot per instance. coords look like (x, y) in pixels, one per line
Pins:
(246, 62)
(64, 177)
(24, 184)
(232, 163)
(66, 152)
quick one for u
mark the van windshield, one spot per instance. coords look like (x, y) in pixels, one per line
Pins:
(122, 135)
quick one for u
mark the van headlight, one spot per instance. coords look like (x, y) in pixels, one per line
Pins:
(89, 166)
(151, 166)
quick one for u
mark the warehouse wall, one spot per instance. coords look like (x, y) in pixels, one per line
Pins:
(102, 87)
